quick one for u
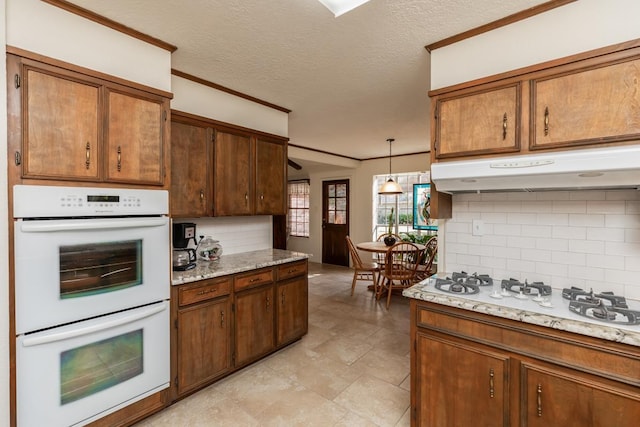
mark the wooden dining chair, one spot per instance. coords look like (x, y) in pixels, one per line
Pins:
(362, 270)
(426, 268)
(401, 263)
(380, 256)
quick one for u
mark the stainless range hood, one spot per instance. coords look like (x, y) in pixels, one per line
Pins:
(613, 167)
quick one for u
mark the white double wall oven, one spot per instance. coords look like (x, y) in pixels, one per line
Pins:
(92, 283)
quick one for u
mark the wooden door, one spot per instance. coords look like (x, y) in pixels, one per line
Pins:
(271, 178)
(335, 222)
(292, 302)
(62, 126)
(254, 324)
(589, 106)
(233, 191)
(560, 397)
(190, 170)
(460, 385)
(135, 142)
(204, 343)
(479, 123)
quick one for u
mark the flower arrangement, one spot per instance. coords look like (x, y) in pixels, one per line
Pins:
(390, 222)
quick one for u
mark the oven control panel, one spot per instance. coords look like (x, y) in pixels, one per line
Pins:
(39, 201)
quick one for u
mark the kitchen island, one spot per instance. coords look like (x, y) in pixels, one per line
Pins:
(483, 361)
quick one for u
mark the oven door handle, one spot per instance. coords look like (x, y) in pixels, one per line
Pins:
(71, 225)
(61, 336)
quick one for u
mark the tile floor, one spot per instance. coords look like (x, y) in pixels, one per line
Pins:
(351, 369)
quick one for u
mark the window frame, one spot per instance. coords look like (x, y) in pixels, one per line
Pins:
(298, 216)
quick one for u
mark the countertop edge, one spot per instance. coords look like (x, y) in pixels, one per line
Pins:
(236, 263)
(606, 332)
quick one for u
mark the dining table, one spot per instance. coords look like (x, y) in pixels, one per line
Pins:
(381, 247)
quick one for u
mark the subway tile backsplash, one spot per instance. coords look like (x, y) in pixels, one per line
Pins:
(236, 234)
(589, 239)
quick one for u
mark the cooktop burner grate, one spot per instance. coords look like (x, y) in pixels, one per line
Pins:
(604, 306)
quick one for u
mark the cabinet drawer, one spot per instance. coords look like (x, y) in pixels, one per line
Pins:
(203, 291)
(292, 270)
(253, 279)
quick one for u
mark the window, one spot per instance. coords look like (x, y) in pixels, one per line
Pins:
(403, 209)
(298, 218)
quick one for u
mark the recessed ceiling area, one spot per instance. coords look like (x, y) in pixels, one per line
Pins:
(350, 81)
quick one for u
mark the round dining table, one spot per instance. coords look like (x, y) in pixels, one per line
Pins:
(381, 247)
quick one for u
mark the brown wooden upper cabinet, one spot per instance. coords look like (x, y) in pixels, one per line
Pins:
(589, 105)
(478, 123)
(217, 170)
(65, 125)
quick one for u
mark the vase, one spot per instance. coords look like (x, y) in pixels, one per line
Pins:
(389, 240)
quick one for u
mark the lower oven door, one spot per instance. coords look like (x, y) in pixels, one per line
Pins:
(73, 269)
(77, 373)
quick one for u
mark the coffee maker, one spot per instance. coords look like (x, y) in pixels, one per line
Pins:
(184, 258)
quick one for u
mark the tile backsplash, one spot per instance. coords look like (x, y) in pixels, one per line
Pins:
(589, 239)
(236, 234)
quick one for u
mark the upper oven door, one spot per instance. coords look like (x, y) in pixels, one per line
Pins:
(68, 270)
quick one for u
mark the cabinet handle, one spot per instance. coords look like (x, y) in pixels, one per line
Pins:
(539, 399)
(504, 126)
(262, 197)
(222, 318)
(255, 279)
(246, 198)
(546, 121)
(207, 291)
(491, 385)
(282, 297)
(268, 303)
(87, 160)
(201, 196)
(119, 158)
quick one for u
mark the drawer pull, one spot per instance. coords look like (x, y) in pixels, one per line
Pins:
(491, 385)
(207, 291)
(255, 279)
(293, 270)
(539, 399)
(87, 161)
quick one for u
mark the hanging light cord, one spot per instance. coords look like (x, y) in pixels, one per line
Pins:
(390, 140)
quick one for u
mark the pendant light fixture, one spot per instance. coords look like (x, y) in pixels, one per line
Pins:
(390, 187)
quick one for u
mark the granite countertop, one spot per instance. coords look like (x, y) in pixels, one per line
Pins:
(236, 263)
(527, 311)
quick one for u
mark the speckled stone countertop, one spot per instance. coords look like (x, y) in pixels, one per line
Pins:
(236, 263)
(557, 317)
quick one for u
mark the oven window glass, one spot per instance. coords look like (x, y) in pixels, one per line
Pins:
(94, 367)
(99, 267)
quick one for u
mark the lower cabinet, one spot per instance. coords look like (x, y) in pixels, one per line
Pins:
(473, 369)
(254, 326)
(225, 323)
(203, 330)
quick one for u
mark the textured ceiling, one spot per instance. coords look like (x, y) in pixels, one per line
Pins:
(351, 82)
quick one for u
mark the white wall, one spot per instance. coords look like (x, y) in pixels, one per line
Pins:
(589, 239)
(42, 28)
(576, 27)
(361, 199)
(205, 101)
(4, 240)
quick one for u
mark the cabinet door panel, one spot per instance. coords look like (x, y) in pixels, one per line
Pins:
(487, 122)
(254, 322)
(204, 345)
(587, 107)
(232, 175)
(190, 163)
(270, 178)
(453, 375)
(134, 139)
(61, 127)
(292, 309)
(553, 398)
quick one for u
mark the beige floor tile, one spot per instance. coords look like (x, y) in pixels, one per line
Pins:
(384, 365)
(376, 400)
(391, 341)
(354, 420)
(343, 349)
(406, 384)
(302, 408)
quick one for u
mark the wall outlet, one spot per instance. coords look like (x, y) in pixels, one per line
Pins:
(477, 227)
